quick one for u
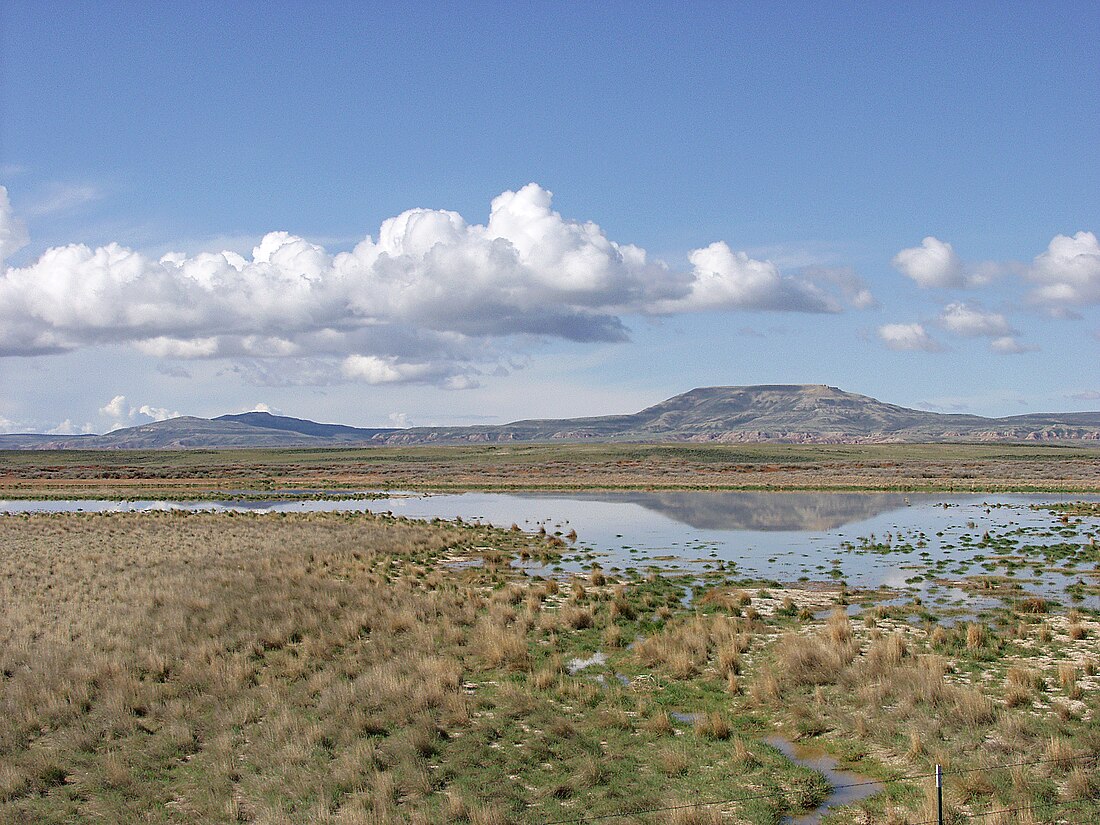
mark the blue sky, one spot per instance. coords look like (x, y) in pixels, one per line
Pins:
(781, 168)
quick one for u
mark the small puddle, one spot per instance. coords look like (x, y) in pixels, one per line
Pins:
(848, 787)
(597, 658)
(465, 564)
(623, 680)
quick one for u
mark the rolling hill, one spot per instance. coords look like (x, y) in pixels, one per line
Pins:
(788, 413)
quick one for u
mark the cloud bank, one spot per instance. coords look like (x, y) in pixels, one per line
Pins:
(428, 301)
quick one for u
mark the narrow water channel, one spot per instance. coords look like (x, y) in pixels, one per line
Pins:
(847, 787)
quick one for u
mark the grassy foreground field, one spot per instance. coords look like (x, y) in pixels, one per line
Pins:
(349, 668)
(903, 467)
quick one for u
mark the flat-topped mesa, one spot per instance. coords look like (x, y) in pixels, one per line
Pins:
(797, 408)
(779, 413)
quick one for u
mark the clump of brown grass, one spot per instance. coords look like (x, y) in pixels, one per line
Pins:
(543, 679)
(1021, 684)
(673, 761)
(502, 646)
(1067, 678)
(765, 689)
(973, 708)
(885, 655)
(729, 659)
(1024, 678)
(696, 815)
(976, 637)
(613, 637)
(1033, 605)
(561, 727)
(1082, 783)
(683, 648)
(916, 744)
(615, 718)
(818, 659)
(804, 660)
(1018, 697)
(741, 755)
(660, 723)
(488, 815)
(577, 618)
(712, 725)
(620, 608)
(1060, 753)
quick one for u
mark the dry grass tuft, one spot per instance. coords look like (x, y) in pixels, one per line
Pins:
(577, 618)
(1060, 753)
(699, 815)
(712, 726)
(1067, 678)
(673, 761)
(660, 724)
(976, 637)
(613, 637)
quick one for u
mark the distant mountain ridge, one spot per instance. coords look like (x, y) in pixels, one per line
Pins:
(778, 413)
(267, 421)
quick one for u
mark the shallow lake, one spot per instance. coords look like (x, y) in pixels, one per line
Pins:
(921, 544)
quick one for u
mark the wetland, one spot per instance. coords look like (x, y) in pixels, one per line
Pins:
(286, 653)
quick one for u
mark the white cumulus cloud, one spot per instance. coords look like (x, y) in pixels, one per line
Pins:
(371, 369)
(69, 427)
(723, 279)
(932, 264)
(1068, 272)
(115, 408)
(121, 414)
(400, 420)
(972, 321)
(908, 337)
(428, 300)
(852, 287)
(156, 413)
(1009, 345)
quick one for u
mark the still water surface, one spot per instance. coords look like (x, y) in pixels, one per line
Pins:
(915, 542)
